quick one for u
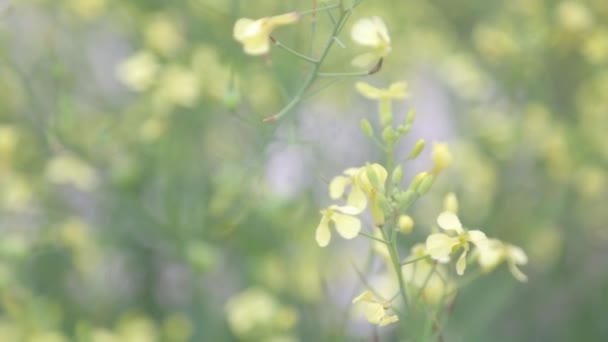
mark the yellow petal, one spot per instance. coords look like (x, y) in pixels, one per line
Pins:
(447, 220)
(461, 264)
(439, 246)
(381, 30)
(517, 273)
(365, 60)
(398, 90)
(347, 226)
(346, 209)
(517, 254)
(356, 198)
(245, 27)
(337, 186)
(323, 234)
(366, 296)
(388, 319)
(367, 90)
(477, 237)
(283, 19)
(365, 32)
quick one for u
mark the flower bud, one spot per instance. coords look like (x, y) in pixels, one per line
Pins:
(442, 157)
(366, 127)
(397, 175)
(389, 136)
(404, 199)
(405, 224)
(450, 203)
(386, 112)
(417, 149)
(416, 181)
(425, 184)
(411, 115)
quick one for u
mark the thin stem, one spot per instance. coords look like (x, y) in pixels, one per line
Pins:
(411, 261)
(394, 256)
(312, 76)
(344, 74)
(373, 238)
(294, 52)
(320, 9)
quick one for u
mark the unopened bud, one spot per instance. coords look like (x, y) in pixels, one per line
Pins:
(450, 203)
(366, 127)
(405, 224)
(411, 115)
(397, 175)
(417, 149)
(442, 157)
(386, 112)
(389, 136)
(425, 184)
(416, 181)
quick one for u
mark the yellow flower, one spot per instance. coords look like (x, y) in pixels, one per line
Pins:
(68, 169)
(397, 90)
(492, 253)
(344, 221)
(405, 224)
(139, 71)
(375, 310)
(442, 158)
(254, 34)
(439, 246)
(356, 198)
(371, 32)
(371, 180)
(425, 275)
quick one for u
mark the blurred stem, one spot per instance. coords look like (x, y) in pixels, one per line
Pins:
(315, 10)
(369, 236)
(294, 52)
(314, 73)
(344, 74)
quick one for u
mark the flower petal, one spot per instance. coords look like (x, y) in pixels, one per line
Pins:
(365, 60)
(365, 32)
(516, 254)
(517, 273)
(447, 220)
(381, 30)
(347, 226)
(243, 28)
(461, 264)
(356, 198)
(478, 238)
(439, 246)
(323, 234)
(337, 186)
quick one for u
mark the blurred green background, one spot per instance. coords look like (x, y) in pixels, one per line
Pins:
(142, 198)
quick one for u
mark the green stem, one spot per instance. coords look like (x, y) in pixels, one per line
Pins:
(294, 52)
(312, 76)
(369, 236)
(411, 261)
(394, 255)
(320, 9)
(344, 74)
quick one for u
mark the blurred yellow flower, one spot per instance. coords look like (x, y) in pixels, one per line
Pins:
(255, 34)
(397, 90)
(450, 203)
(371, 32)
(405, 224)
(371, 179)
(439, 246)
(493, 252)
(256, 312)
(8, 141)
(375, 310)
(442, 158)
(346, 224)
(163, 35)
(356, 198)
(68, 169)
(87, 9)
(178, 86)
(139, 71)
(432, 280)
(574, 16)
